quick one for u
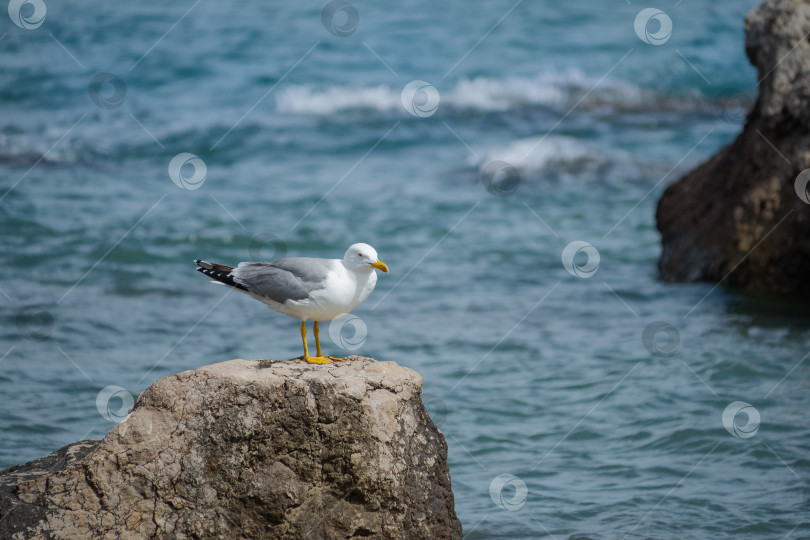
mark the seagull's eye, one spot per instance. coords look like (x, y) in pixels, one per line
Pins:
(359, 254)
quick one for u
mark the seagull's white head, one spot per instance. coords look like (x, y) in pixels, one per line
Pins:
(363, 257)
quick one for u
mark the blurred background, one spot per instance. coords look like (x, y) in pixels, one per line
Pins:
(577, 401)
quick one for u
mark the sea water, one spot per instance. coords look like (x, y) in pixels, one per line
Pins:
(580, 395)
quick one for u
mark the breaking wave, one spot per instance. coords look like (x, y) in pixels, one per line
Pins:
(551, 90)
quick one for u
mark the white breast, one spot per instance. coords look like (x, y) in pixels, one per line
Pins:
(344, 291)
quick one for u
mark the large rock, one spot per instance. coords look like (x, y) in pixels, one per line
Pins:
(249, 449)
(737, 217)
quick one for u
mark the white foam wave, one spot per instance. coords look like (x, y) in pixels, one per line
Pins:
(308, 100)
(550, 89)
(558, 155)
(538, 154)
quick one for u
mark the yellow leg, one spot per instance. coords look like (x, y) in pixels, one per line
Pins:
(317, 337)
(318, 344)
(316, 359)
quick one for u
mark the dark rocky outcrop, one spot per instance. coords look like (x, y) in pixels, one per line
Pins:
(737, 218)
(249, 449)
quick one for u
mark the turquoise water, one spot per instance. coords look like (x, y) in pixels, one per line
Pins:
(530, 371)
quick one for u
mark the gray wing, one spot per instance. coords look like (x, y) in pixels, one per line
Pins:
(285, 279)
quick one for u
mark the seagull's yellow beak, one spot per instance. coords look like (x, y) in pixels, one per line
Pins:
(379, 265)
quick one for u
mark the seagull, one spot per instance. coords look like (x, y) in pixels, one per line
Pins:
(305, 288)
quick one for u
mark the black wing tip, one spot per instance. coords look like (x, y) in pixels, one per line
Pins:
(213, 266)
(222, 275)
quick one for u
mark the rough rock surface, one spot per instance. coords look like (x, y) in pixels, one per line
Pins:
(249, 449)
(737, 218)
